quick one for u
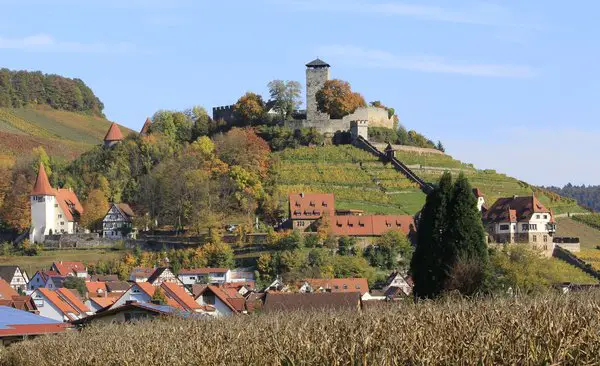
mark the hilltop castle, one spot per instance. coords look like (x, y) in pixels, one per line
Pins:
(317, 73)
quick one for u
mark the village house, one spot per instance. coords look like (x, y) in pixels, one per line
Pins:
(309, 210)
(14, 276)
(53, 211)
(131, 311)
(65, 269)
(480, 200)
(520, 220)
(204, 276)
(141, 274)
(20, 302)
(45, 279)
(360, 285)
(60, 305)
(220, 301)
(143, 292)
(17, 325)
(118, 222)
(162, 274)
(96, 304)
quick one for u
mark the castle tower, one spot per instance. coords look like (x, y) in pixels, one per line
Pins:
(43, 208)
(113, 136)
(359, 128)
(317, 73)
(146, 127)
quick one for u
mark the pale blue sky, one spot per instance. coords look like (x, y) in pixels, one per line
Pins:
(509, 85)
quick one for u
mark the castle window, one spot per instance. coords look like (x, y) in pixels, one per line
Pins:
(60, 216)
(525, 227)
(535, 238)
(545, 238)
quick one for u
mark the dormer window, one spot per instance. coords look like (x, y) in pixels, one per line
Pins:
(324, 204)
(312, 203)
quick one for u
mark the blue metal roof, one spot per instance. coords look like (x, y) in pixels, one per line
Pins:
(11, 316)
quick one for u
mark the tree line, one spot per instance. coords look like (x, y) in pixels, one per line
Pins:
(21, 88)
(587, 196)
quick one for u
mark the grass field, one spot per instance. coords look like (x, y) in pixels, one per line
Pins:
(47, 257)
(550, 329)
(61, 133)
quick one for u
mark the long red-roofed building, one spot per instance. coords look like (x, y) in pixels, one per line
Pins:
(53, 210)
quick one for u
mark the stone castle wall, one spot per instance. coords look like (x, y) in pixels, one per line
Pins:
(224, 112)
(377, 117)
(413, 149)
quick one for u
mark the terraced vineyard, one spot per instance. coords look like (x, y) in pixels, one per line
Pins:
(61, 133)
(359, 180)
(590, 256)
(356, 178)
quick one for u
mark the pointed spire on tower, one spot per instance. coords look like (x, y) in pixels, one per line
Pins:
(113, 135)
(146, 127)
(42, 185)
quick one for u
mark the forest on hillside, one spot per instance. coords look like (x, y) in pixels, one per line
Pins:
(587, 196)
(21, 88)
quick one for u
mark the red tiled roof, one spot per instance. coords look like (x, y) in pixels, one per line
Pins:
(42, 185)
(52, 297)
(193, 271)
(69, 203)
(104, 301)
(146, 287)
(69, 297)
(146, 128)
(514, 209)
(339, 284)
(114, 133)
(222, 295)
(178, 293)
(371, 225)
(65, 268)
(311, 206)
(21, 303)
(126, 209)
(141, 272)
(33, 329)
(96, 289)
(7, 292)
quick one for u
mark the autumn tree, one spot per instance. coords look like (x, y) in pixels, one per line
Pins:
(95, 208)
(218, 255)
(159, 297)
(249, 110)
(285, 96)
(41, 157)
(337, 99)
(243, 147)
(16, 211)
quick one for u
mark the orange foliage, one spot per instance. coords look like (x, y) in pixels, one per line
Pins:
(337, 99)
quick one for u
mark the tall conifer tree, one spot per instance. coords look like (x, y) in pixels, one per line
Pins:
(428, 265)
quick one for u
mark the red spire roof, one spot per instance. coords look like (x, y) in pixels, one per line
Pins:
(114, 133)
(146, 127)
(42, 185)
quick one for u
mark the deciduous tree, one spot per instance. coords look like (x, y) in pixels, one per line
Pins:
(337, 99)
(249, 110)
(286, 97)
(95, 208)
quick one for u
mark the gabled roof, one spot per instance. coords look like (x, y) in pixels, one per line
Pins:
(114, 133)
(69, 203)
(514, 209)
(477, 192)
(142, 272)
(96, 289)
(146, 127)
(53, 298)
(157, 273)
(103, 301)
(339, 284)
(6, 291)
(219, 293)
(277, 301)
(146, 287)
(126, 209)
(117, 286)
(42, 185)
(179, 294)
(148, 307)
(20, 302)
(45, 275)
(69, 297)
(317, 63)
(311, 206)
(196, 271)
(66, 268)
(8, 272)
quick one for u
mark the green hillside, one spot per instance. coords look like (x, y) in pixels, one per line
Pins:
(359, 180)
(61, 133)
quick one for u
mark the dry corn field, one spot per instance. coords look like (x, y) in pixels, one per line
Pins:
(547, 330)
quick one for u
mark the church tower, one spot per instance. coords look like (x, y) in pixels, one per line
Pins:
(317, 73)
(43, 208)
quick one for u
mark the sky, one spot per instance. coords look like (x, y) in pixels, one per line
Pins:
(506, 85)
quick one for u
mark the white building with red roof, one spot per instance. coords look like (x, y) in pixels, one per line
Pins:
(53, 211)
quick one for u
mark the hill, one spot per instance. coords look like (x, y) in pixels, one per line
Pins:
(359, 180)
(62, 133)
(588, 196)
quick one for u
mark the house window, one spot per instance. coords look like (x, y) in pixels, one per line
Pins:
(345, 287)
(533, 227)
(357, 287)
(545, 216)
(62, 222)
(545, 238)
(135, 291)
(336, 287)
(60, 216)
(525, 227)
(504, 227)
(537, 216)
(56, 205)
(192, 277)
(535, 238)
